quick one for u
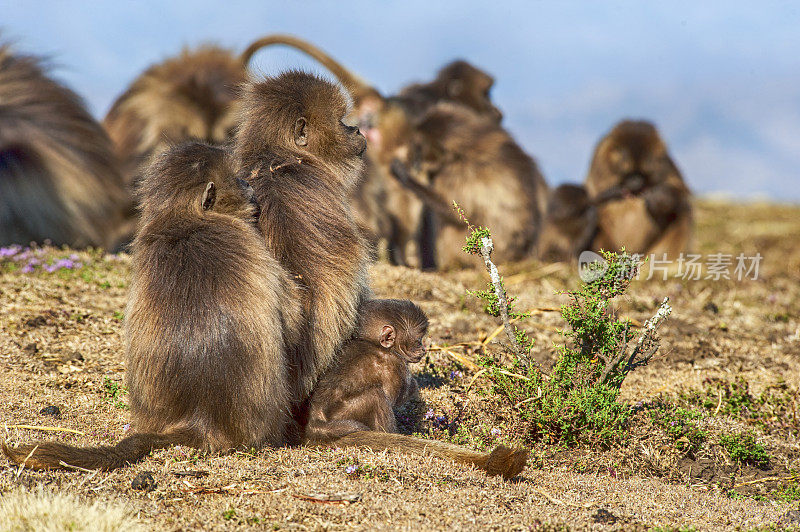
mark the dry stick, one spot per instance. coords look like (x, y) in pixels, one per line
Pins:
(52, 429)
(486, 251)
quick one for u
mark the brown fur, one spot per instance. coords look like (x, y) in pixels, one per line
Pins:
(476, 163)
(656, 214)
(59, 179)
(303, 164)
(191, 96)
(205, 322)
(352, 403)
(569, 224)
(458, 82)
(388, 123)
(371, 375)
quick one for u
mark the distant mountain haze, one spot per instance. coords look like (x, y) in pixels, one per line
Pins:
(720, 79)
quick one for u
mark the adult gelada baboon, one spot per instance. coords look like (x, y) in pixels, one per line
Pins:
(59, 179)
(656, 214)
(209, 317)
(357, 394)
(303, 163)
(382, 205)
(476, 163)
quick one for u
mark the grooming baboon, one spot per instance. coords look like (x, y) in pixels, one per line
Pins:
(352, 402)
(303, 164)
(655, 216)
(387, 123)
(191, 96)
(59, 179)
(476, 163)
(206, 323)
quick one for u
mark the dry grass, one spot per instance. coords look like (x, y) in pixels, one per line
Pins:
(60, 340)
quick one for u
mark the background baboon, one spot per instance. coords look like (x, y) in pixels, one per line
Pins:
(387, 124)
(59, 179)
(303, 164)
(569, 224)
(191, 96)
(656, 214)
(476, 162)
(352, 402)
(205, 322)
(459, 82)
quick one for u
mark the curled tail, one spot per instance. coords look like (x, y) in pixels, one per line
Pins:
(501, 461)
(52, 455)
(354, 84)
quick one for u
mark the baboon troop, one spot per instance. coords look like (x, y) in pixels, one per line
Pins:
(253, 206)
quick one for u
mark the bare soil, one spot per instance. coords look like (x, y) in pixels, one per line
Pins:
(61, 344)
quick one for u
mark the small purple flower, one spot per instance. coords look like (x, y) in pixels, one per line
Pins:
(50, 267)
(126, 427)
(74, 257)
(672, 423)
(495, 432)
(455, 375)
(28, 268)
(64, 263)
(10, 251)
(441, 420)
(351, 469)
(429, 414)
(25, 255)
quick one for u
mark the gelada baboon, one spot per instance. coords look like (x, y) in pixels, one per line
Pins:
(384, 207)
(59, 179)
(357, 393)
(207, 315)
(569, 224)
(476, 163)
(303, 163)
(655, 216)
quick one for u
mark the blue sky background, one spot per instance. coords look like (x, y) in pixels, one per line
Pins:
(720, 79)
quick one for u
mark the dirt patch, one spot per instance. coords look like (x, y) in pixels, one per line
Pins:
(61, 345)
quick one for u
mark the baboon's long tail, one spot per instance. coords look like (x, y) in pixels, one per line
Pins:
(501, 461)
(52, 455)
(356, 85)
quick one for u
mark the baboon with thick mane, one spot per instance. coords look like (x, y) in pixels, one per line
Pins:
(210, 317)
(655, 216)
(383, 206)
(59, 179)
(303, 164)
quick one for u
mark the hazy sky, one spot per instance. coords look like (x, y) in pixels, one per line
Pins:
(720, 79)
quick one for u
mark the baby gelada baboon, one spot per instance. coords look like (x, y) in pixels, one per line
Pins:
(371, 375)
(303, 163)
(207, 310)
(352, 402)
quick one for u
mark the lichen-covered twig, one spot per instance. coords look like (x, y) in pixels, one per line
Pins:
(645, 348)
(502, 301)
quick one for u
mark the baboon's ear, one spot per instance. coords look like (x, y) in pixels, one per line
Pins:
(209, 196)
(300, 132)
(388, 336)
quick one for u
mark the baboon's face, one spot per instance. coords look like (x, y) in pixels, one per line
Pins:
(633, 158)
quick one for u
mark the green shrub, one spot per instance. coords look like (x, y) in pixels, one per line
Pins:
(743, 448)
(578, 400)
